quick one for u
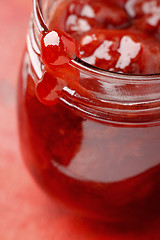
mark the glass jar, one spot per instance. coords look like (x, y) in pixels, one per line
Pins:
(95, 151)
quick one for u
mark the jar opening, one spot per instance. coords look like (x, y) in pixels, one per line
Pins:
(43, 28)
(116, 96)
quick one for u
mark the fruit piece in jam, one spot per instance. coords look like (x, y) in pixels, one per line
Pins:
(146, 14)
(125, 51)
(77, 17)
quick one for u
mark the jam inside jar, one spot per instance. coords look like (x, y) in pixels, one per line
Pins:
(94, 142)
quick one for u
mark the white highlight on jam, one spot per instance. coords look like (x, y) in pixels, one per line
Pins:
(87, 11)
(102, 52)
(153, 10)
(77, 24)
(128, 50)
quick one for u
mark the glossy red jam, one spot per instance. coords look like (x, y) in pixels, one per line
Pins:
(91, 152)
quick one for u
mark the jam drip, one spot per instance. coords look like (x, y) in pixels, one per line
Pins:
(57, 51)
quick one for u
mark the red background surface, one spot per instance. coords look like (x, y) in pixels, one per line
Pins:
(25, 211)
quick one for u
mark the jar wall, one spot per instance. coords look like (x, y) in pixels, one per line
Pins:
(102, 170)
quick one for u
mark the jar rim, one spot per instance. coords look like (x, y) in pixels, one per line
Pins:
(43, 28)
(126, 98)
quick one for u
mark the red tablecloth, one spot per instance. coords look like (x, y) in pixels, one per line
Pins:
(25, 211)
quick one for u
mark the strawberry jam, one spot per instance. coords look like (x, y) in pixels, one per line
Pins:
(89, 107)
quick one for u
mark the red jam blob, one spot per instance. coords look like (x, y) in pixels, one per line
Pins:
(49, 89)
(58, 48)
(126, 51)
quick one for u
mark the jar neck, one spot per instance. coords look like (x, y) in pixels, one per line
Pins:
(119, 98)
